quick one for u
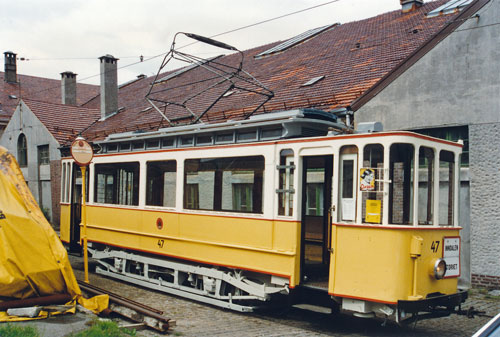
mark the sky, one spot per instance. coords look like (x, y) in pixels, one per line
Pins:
(54, 36)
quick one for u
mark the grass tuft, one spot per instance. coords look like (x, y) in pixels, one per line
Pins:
(105, 329)
(10, 330)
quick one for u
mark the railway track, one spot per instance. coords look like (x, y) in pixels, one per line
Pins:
(136, 312)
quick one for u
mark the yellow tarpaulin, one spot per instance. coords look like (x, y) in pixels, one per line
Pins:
(33, 261)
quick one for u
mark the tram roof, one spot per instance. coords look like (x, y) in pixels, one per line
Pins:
(341, 63)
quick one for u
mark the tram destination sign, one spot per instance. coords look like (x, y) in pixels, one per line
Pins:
(82, 151)
(451, 255)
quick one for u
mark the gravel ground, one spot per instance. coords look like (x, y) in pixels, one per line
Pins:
(195, 319)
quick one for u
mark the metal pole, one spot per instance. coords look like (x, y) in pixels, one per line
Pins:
(84, 222)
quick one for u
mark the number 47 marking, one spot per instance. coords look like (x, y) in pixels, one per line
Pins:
(435, 246)
(161, 243)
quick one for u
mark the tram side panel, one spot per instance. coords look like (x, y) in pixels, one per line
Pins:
(266, 246)
(378, 263)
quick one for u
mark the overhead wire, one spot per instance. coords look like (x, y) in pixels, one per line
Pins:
(146, 59)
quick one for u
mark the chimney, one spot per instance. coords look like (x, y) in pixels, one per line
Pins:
(109, 85)
(10, 67)
(410, 5)
(68, 88)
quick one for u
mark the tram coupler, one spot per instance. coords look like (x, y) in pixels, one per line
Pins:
(470, 313)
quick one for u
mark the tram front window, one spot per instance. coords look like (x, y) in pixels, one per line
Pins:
(371, 177)
(426, 186)
(446, 188)
(401, 188)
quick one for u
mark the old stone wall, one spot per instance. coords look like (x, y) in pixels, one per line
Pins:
(485, 200)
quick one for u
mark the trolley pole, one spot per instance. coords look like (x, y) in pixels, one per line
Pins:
(82, 153)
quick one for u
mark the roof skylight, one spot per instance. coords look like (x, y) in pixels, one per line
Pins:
(313, 81)
(294, 41)
(449, 7)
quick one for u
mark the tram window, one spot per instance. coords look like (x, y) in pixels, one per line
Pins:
(225, 138)
(63, 183)
(125, 147)
(425, 186)
(117, 183)
(153, 144)
(112, 147)
(160, 183)
(247, 135)
(401, 188)
(138, 145)
(68, 182)
(446, 187)
(187, 141)
(286, 190)
(204, 140)
(348, 183)
(167, 142)
(271, 133)
(224, 184)
(370, 183)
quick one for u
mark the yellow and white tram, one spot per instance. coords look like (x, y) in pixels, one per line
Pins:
(244, 211)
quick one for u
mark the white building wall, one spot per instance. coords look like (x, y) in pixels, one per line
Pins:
(38, 177)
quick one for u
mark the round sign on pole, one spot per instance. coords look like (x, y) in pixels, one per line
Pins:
(81, 151)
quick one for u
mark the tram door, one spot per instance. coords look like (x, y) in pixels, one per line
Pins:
(76, 209)
(316, 201)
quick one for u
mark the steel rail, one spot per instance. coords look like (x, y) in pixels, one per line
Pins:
(153, 318)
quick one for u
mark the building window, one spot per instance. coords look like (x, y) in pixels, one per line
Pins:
(117, 183)
(43, 155)
(22, 151)
(224, 184)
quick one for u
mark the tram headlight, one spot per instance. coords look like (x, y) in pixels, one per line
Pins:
(438, 268)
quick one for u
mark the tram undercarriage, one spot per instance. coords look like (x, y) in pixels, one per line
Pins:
(223, 287)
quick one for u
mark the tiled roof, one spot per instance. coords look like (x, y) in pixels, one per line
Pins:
(64, 122)
(352, 57)
(40, 89)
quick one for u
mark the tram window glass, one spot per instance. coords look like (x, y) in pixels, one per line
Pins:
(446, 187)
(348, 183)
(112, 147)
(286, 190)
(125, 147)
(425, 186)
(224, 138)
(401, 188)
(314, 201)
(371, 185)
(247, 135)
(63, 183)
(454, 134)
(187, 140)
(153, 144)
(138, 145)
(117, 183)
(68, 182)
(167, 142)
(204, 140)
(224, 184)
(160, 183)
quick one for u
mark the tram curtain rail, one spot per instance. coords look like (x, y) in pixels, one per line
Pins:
(224, 184)
(117, 183)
